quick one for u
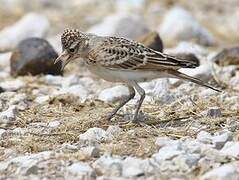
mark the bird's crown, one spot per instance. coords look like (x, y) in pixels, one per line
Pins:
(69, 36)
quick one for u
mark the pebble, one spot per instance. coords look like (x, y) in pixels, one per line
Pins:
(53, 80)
(12, 85)
(168, 152)
(227, 171)
(77, 90)
(34, 56)
(214, 112)
(165, 141)
(2, 131)
(231, 149)
(93, 135)
(132, 167)
(8, 116)
(161, 92)
(227, 56)
(113, 94)
(122, 25)
(81, 169)
(204, 137)
(179, 25)
(30, 25)
(152, 40)
(42, 99)
(91, 151)
(219, 140)
(54, 124)
(108, 165)
(186, 162)
(24, 163)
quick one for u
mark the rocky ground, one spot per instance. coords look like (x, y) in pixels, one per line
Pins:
(54, 126)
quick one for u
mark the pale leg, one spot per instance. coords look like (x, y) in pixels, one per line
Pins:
(127, 99)
(142, 96)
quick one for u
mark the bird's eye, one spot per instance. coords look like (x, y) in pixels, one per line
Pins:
(72, 50)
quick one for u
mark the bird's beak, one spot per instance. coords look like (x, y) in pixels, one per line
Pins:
(64, 58)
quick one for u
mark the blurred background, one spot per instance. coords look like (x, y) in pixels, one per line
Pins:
(205, 22)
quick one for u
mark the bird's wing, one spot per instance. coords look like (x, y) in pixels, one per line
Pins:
(126, 54)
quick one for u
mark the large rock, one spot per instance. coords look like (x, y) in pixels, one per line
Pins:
(34, 56)
(123, 25)
(180, 25)
(152, 40)
(31, 25)
(228, 56)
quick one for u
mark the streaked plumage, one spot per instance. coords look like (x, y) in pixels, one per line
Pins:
(121, 60)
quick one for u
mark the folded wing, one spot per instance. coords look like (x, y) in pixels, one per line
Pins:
(126, 54)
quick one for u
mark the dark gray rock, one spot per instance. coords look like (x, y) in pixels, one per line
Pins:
(152, 40)
(228, 56)
(34, 56)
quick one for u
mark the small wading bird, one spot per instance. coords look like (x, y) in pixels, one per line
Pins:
(121, 60)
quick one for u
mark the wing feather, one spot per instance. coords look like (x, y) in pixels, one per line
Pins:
(126, 54)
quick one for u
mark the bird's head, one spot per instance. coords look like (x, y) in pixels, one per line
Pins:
(74, 44)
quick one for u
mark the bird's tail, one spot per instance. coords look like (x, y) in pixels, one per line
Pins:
(180, 75)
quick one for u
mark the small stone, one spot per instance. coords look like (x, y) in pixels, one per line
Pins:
(94, 135)
(204, 137)
(108, 166)
(69, 147)
(219, 140)
(226, 171)
(185, 162)
(122, 25)
(32, 170)
(168, 152)
(42, 99)
(214, 112)
(192, 146)
(114, 94)
(77, 90)
(81, 169)
(179, 25)
(2, 131)
(91, 151)
(165, 141)
(54, 124)
(8, 116)
(132, 167)
(227, 56)
(231, 149)
(34, 56)
(12, 85)
(53, 80)
(152, 40)
(30, 25)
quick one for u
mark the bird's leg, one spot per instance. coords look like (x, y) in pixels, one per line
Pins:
(127, 99)
(142, 96)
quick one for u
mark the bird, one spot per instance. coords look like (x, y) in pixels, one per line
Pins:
(121, 60)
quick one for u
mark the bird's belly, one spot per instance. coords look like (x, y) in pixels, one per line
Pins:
(125, 75)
